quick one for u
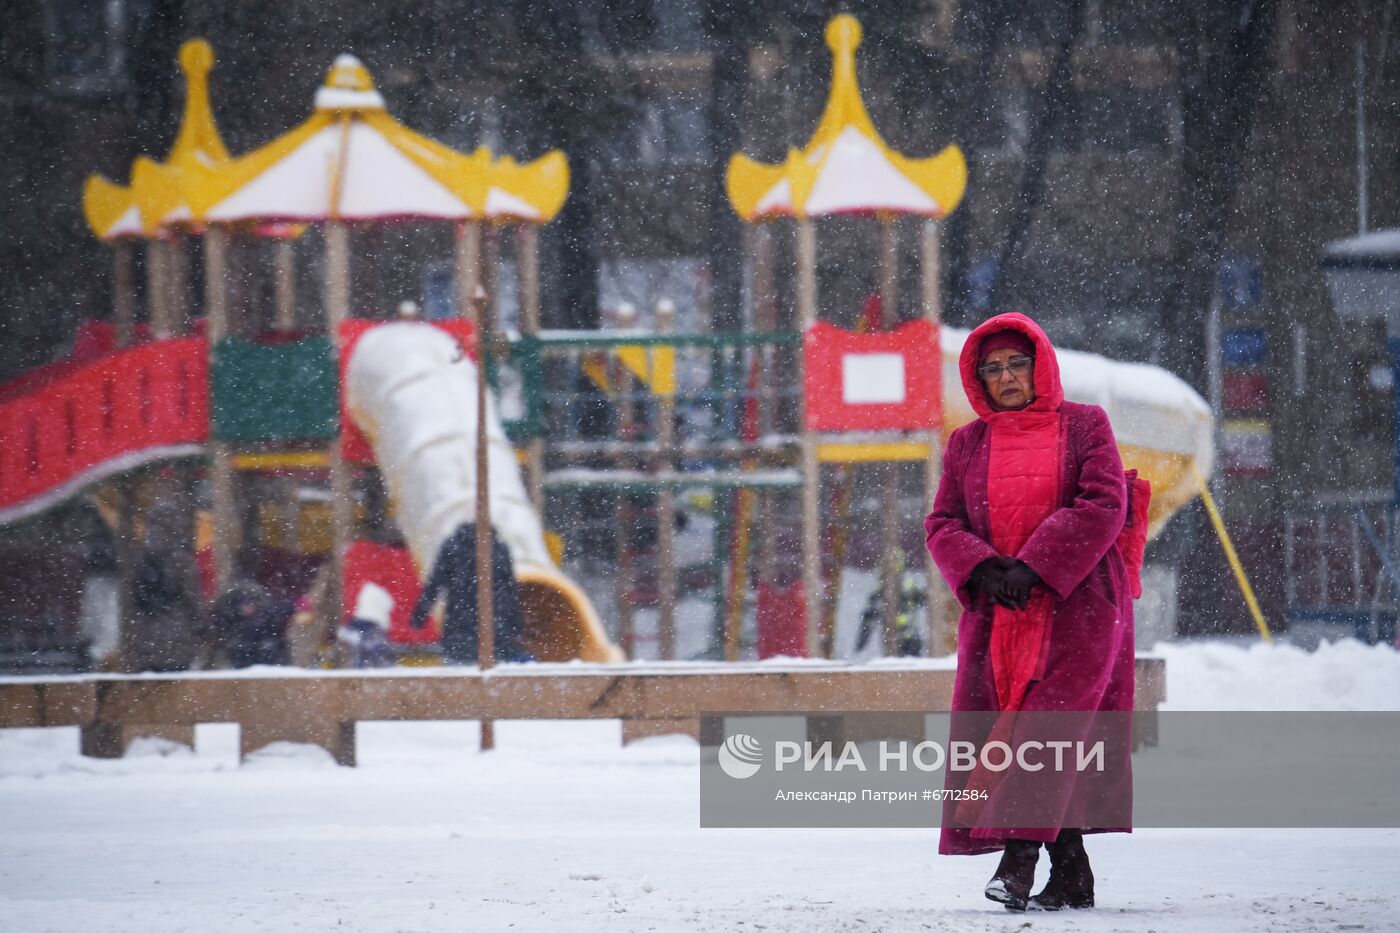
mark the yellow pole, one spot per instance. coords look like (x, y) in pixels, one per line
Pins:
(1232, 557)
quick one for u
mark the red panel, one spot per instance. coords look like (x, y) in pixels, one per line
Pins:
(120, 404)
(782, 621)
(392, 568)
(826, 350)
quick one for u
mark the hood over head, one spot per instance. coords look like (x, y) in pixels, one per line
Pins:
(1048, 393)
(1005, 340)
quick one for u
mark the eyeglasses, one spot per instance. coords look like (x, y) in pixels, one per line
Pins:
(1019, 366)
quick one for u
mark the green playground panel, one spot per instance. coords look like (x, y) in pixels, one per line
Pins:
(264, 393)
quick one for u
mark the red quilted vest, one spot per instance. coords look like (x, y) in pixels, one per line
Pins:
(1023, 488)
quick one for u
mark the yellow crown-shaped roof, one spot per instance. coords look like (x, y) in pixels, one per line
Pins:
(350, 160)
(198, 139)
(154, 199)
(846, 167)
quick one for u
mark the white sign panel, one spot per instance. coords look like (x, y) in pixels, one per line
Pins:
(872, 378)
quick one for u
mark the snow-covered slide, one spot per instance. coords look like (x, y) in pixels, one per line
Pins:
(412, 391)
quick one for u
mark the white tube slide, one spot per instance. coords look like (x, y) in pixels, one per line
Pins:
(412, 391)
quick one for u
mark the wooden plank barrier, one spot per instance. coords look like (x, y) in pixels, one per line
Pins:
(322, 707)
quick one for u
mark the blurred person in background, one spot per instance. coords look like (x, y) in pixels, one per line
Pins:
(250, 623)
(167, 608)
(454, 573)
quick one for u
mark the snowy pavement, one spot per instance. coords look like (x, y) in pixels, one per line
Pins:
(562, 829)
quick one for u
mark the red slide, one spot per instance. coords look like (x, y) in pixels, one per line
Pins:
(66, 426)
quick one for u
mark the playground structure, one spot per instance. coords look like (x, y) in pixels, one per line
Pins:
(847, 169)
(352, 163)
(751, 417)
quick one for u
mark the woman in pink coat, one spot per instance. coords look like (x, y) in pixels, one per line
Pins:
(1025, 530)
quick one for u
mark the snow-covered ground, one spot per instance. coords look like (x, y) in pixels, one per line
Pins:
(562, 829)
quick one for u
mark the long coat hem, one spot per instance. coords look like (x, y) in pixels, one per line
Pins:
(1088, 664)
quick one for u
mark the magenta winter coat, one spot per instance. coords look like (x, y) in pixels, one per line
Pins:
(1088, 664)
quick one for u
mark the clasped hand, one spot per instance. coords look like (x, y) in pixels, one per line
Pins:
(1006, 580)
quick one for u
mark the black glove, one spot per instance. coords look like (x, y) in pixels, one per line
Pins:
(1014, 589)
(986, 576)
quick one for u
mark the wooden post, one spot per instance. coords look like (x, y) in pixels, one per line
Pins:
(889, 489)
(124, 312)
(485, 576)
(624, 316)
(337, 308)
(164, 284)
(941, 634)
(747, 501)
(236, 290)
(124, 325)
(471, 305)
(285, 283)
(527, 244)
(285, 321)
(624, 522)
(373, 259)
(486, 632)
(180, 487)
(665, 501)
(490, 265)
(223, 500)
(178, 278)
(467, 278)
(221, 487)
(123, 293)
(765, 320)
(158, 287)
(813, 591)
(337, 283)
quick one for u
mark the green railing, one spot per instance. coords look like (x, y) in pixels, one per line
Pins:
(548, 361)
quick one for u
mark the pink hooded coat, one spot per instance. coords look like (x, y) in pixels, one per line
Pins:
(1085, 661)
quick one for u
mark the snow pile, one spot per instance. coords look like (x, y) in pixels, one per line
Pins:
(1341, 675)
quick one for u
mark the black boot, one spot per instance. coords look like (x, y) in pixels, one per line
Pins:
(1011, 885)
(1071, 881)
